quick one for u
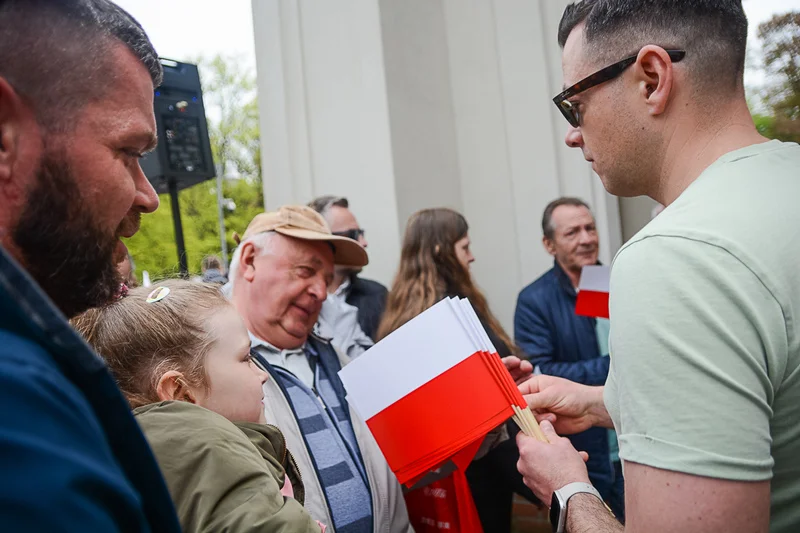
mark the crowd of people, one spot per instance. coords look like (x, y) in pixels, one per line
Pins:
(215, 404)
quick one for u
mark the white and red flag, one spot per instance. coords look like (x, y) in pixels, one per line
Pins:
(430, 391)
(593, 291)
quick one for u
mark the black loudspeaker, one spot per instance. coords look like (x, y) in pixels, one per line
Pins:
(183, 154)
(182, 157)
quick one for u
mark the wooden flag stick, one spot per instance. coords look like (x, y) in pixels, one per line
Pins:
(527, 423)
(521, 422)
(533, 426)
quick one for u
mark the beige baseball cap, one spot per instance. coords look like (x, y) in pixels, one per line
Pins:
(304, 223)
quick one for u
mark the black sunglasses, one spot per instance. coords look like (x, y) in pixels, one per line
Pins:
(570, 112)
(351, 233)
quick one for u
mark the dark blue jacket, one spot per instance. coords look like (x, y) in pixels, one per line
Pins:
(369, 297)
(564, 344)
(71, 454)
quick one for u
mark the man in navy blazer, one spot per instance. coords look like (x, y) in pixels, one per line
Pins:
(561, 343)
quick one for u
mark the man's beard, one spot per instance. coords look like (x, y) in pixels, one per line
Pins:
(62, 246)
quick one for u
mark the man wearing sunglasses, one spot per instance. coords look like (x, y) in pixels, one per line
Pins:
(351, 313)
(704, 384)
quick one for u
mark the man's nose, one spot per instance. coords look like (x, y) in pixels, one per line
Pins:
(319, 289)
(574, 138)
(146, 200)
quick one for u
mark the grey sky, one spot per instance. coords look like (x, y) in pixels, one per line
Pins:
(185, 29)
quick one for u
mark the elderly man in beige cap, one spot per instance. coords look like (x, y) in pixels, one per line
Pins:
(280, 274)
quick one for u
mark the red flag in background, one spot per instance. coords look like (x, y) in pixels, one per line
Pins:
(444, 506)
(593, 292)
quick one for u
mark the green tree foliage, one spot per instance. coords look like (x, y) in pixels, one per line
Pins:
(232, 109)
(765, 125)
(780, 37)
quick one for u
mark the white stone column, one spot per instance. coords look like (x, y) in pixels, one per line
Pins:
(324, 116)
(406, 104)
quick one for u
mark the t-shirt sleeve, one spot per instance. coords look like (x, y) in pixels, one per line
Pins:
(692, 329)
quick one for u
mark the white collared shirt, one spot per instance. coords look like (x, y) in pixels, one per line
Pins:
(295, 360)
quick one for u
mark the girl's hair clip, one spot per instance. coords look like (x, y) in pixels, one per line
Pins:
(157, 295)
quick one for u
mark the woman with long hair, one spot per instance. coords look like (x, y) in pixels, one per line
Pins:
(434, 264)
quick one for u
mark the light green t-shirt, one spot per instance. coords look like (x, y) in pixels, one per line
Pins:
(705, 335)
(602, 329)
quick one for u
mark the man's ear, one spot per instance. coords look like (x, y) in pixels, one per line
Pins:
(549, 246)
(247, 260)
(172, 386)
(15, 117)
(655, 75)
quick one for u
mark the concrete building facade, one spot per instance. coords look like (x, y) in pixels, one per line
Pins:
(405, 104)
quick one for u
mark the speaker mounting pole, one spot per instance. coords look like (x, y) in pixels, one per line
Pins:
(176, 223)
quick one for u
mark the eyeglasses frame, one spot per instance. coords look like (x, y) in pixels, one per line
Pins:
(593, 80)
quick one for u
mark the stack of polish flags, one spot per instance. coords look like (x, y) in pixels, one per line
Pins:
(430, 391)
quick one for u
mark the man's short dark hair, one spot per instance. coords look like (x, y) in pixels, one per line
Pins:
(321, 204)
(209, 262)
(712, 32)
(55, 53)
(548, 229)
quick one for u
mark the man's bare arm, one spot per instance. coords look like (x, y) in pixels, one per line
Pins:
(661, 501)
(587, 514)
(656, 500)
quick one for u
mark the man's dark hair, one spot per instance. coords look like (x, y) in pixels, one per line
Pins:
(323, 203)
(209, 262)
(548, 229)
(712, 32)
(56, 53)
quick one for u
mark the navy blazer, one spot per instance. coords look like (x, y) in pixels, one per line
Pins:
(547, 329)
(72, 456)
(369, 297)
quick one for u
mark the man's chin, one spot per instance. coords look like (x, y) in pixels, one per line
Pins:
(290, 337)
(88, 276)
(300, 326)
